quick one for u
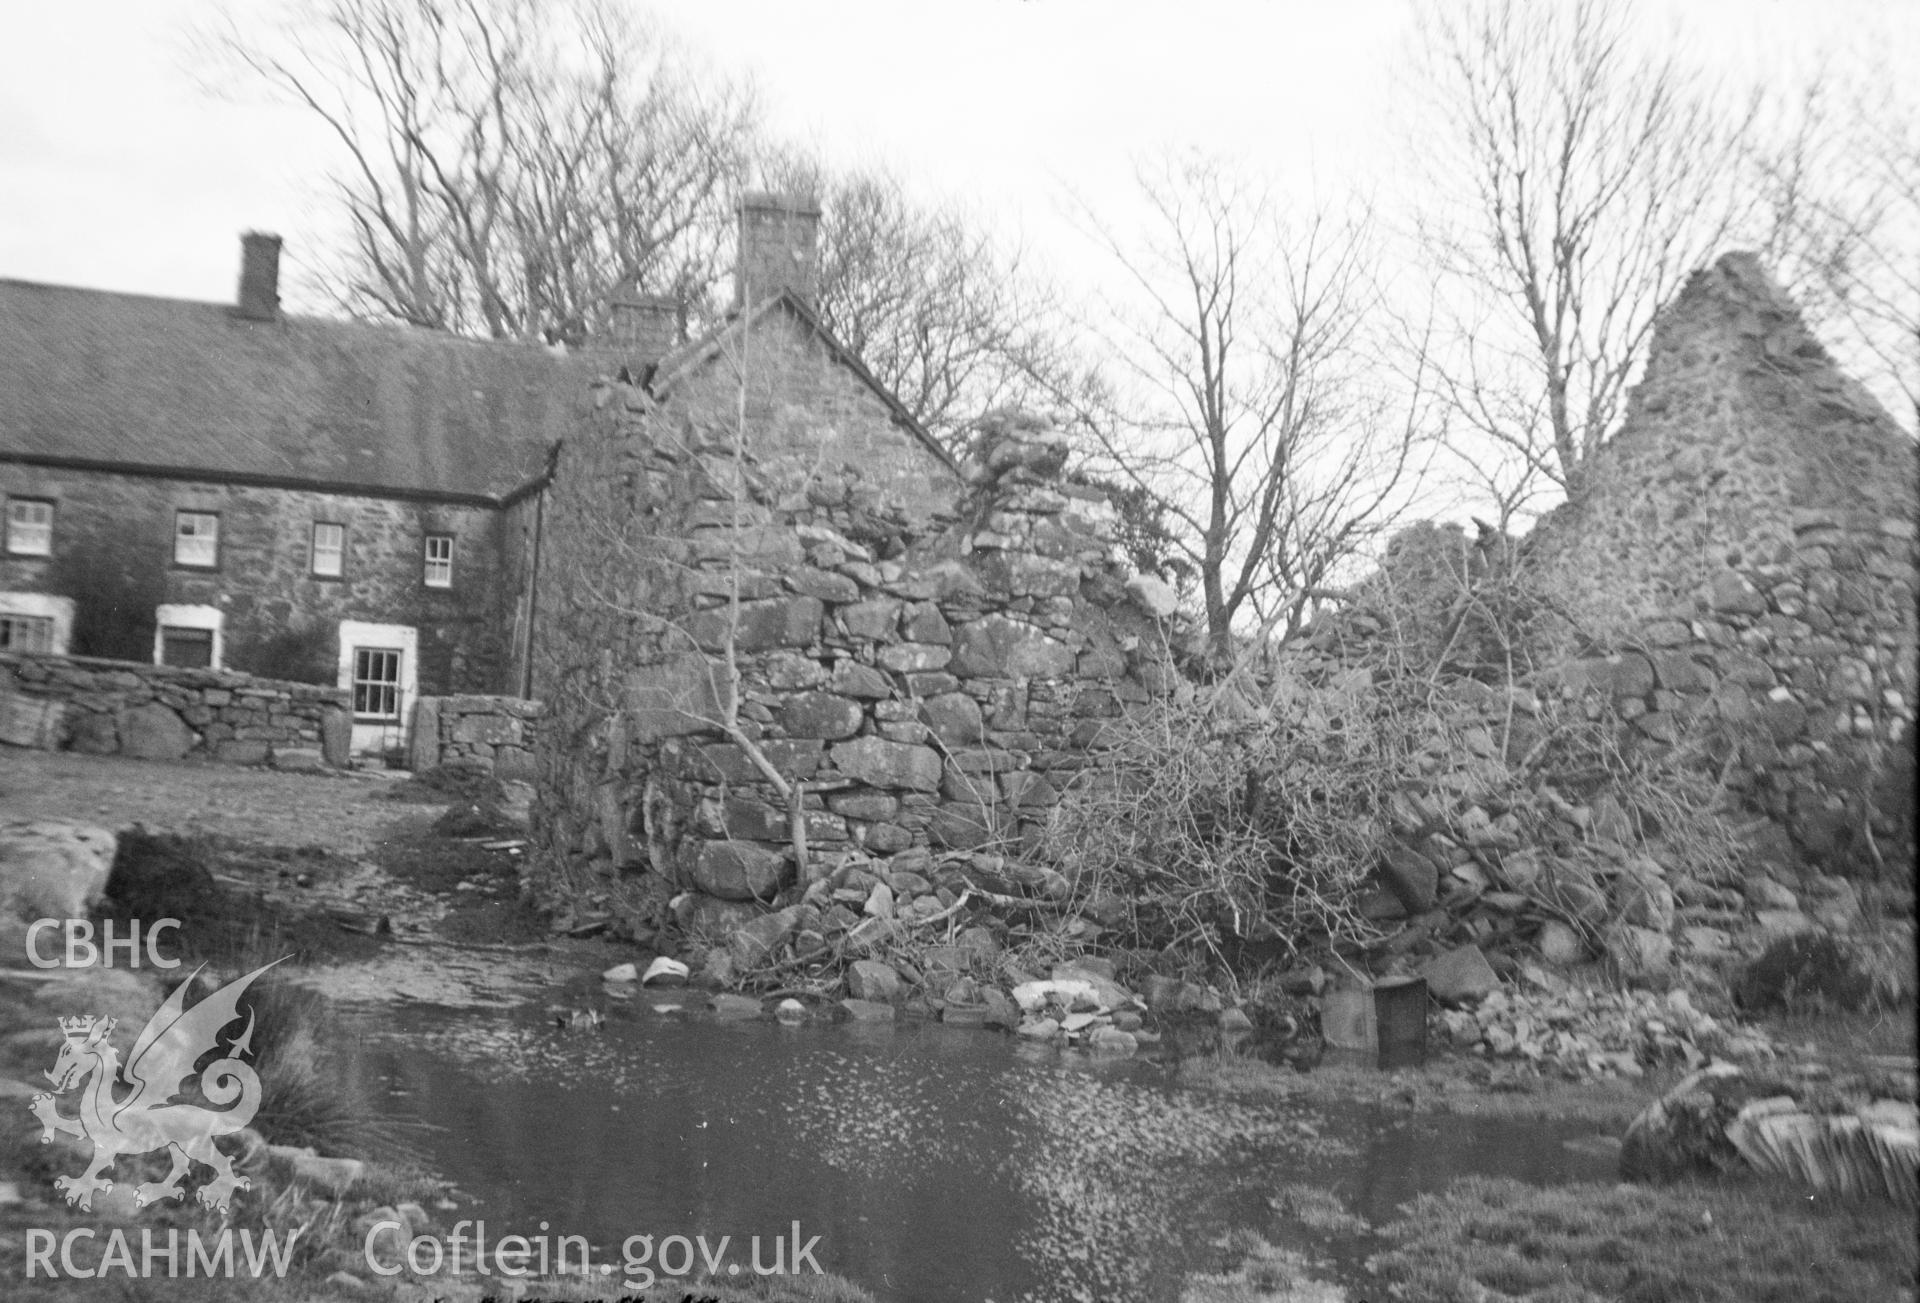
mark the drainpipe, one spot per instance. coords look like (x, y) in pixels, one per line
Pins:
(533, 576)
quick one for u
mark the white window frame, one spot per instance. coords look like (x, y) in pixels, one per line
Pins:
(438, 571)
(189, 616)
(43, 606)
(189, 542)
(25, 536)
(328, 561)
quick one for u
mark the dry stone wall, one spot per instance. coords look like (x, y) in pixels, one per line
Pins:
(1797, 674)
(159, 712)
(491, 734)
(734, 633)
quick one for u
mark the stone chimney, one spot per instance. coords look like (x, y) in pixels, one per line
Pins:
(642, 328)
(259, 277)
(779, 235)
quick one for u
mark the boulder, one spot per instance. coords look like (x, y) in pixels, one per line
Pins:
(965, 826)
(870, 979)
(1001, 1010)
(868, 1010)
(95, 733)
(1851, 1144)
(1639, 951)
(1460, 975)
(954, 718)
(757, 941)
(874, 619)
(154, 732)
(880, 763)
(31, 721)
(1560, 944)
(821, 715)
(852, 679)
(1411, 876)
(914, 657)
(762, 626)
(665, 972)
(52, 868)
(1645, 902)
(736, 870)
(1000, 648)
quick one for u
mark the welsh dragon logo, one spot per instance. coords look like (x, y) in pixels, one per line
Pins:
(150, 1116)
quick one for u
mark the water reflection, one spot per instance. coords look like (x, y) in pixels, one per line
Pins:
(937, 1165)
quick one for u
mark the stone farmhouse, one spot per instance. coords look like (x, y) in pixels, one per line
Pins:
(225, 487)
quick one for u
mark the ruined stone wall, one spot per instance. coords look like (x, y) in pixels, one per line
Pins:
(926, 685)
(158, 712)
(1746, 542)
(1800, 671)
(493, 734)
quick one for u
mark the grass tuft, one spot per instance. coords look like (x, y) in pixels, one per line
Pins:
(1689, 1243)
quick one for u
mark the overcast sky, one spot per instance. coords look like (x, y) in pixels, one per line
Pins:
(118, 171)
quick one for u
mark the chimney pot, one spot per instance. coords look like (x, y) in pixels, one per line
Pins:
(259, 277)
(779, 239)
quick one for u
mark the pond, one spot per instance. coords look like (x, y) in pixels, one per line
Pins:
(936, 1165)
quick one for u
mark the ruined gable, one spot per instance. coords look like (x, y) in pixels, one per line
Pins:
(1746, 553)
(1741, 433)
(809, 405)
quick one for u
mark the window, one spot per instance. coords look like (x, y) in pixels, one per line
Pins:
(26, 633)
(439, 561)
(376, 682)
(29, 527)
(329, 550)
(187, 648)
(196, 539)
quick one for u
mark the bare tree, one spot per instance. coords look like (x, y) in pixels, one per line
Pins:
(1838, 176)
(506, 163)
(1243, 393)
(1579, 180)
(948, 314)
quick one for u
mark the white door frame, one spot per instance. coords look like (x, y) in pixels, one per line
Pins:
(370, 737)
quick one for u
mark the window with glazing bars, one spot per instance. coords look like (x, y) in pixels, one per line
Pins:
(439, 561)
(376, 682)
(196, 539)
(329, 549)
(26, 633)
(29, 527)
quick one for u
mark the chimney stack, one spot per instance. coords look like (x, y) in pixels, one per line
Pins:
(642, 328)
(259, 277)
(779, 235)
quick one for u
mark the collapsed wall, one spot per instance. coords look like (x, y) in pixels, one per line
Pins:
(1747, 541)
(756, 671)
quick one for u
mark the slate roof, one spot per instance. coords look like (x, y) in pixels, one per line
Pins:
(94, 377)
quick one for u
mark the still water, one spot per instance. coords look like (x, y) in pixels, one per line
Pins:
(937, 1165)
